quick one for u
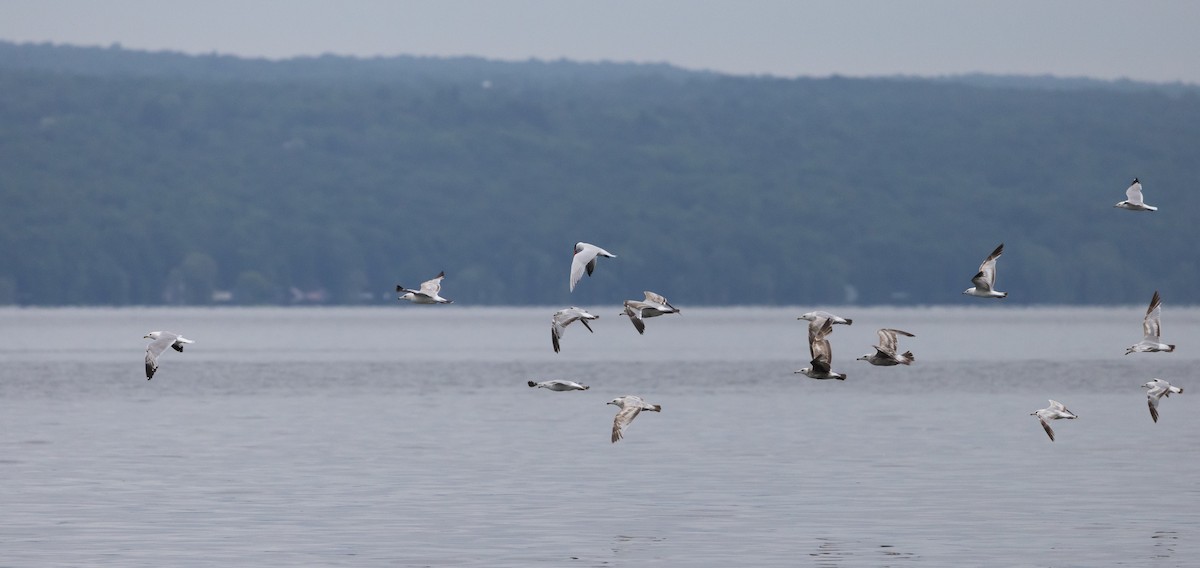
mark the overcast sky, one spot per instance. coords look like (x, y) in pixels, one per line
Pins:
(1149, 40)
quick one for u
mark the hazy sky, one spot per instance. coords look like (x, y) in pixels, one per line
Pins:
(1148, 40)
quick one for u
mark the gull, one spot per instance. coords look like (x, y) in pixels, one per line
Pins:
(986, 279)
(1151, 330)
(814, 316)
(630, 406)
(559, 385)
(822, 355)
(162, 340)
(1055, 411)
(653, 306)
(885, 353)
(1133, 198)
(428, 294)
(585, 259)
(1158, 389)
(562, 318)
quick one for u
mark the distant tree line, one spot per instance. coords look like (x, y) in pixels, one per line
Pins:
(156, 178)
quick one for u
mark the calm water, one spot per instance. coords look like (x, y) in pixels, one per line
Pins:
(406, 436)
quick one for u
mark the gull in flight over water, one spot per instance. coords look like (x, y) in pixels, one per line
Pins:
(585, 260)
(630, 406)
(559, 385)
(1133, 198)
(562, 318)
(822, 355)
(985, 280)
(1158, 388)
(885, 354)
(1151, 330)
(428, 294)
(161, 341)
(1055, 411)
(653, 306)
(814, 316)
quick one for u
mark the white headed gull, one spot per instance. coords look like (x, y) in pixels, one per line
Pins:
(653, 306)
(1158, 388)
(428, 294)
(562, 318)
(559, 385)
(1133, 198)
(822, 355)
(814, 316)
(1151, 330)
(885, 354)
(630, 406)
(161, 341)
(985, 280)
(1055, 411)
(585, 260)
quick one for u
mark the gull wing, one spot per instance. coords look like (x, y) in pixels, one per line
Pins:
(433, 286)
(1046, 425)
(888, 342)
(1152, 402)
(1151, 327)
(155, 348)
(1133, 193)
(635, 317)
(622, 421)
(584, 260)
(658, 299)
(986, 277)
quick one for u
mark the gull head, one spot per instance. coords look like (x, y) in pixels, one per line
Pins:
(152, 335)
(615, 401)
(864, 358)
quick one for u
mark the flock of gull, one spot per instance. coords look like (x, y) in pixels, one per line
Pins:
(820, 327)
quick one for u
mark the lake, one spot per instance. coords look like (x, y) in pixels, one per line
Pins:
(406, 436)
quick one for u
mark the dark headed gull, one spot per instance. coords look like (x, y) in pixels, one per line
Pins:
(1133, 198)
(1151, 330)
(559, 385)
(1055, 411)
(585, 260)
(885, 353)
(428, 294)
(653, 306)
(986, 278)
(562, 318)
(1158, 388)
(822, 355)
(162, 340)
(630, 406)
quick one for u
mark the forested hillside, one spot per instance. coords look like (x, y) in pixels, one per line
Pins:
(149, 178)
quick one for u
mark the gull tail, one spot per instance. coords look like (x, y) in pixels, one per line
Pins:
(532, 384)
(909, 356)
(1170, 348)
(657, 408)
(848, 321)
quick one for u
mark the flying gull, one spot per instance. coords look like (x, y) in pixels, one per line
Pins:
(885, 353)
(1055, 411)
(653, 306)
(1158, 388)
(559, 385)
(986, 278)
(1133, 198)
(630, 406)
(1151, 330)
(562, 318)
(822, 355)
(585, 260)
(814, 316)
(428, 294)
(162, 340)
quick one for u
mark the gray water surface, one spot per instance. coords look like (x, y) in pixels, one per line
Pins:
(407, 436)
